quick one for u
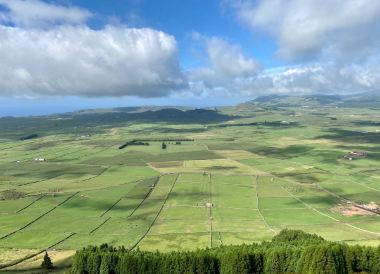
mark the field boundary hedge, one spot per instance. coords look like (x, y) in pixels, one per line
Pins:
(28, 205)
(111, 207)
(38, 181)
(156, 217)
(100, 225)
(145, 197)
(39, 217)
(97, 175)
(16, 262)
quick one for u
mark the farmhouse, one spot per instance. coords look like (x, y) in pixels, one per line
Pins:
(39, 159)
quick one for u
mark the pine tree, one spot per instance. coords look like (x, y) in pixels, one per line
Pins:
(257, 262)
(274, 261)
(80, 263)
(93, 263)
(304, 262)
(46, 263)
(204, 264)
(376, 261)
(235, 262)
(290, 252)
(328, 259)
(105, 266)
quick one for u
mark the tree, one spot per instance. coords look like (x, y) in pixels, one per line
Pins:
(235, 261)
(376, 261)
(46, 263)
(163, 146)
(93, 263)
(106, 263)
(289, 252)
(80, 262)
(279, 260)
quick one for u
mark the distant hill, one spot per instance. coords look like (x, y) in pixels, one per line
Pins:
(95, 120)
(361, 100)
(365, 100)
(134, 109)
(173, 115)
(91, 121)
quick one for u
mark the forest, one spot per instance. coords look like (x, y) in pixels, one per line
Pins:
(291, 251)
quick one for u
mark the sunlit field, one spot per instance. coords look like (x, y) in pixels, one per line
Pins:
(239, 180)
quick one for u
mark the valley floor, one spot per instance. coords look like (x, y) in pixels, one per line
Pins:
(231, 183)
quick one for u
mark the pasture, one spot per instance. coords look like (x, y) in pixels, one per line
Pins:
(241, 180)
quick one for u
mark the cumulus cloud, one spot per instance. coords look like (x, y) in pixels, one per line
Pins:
(77, 60)
(335, 43)
(230, 73)
(47, 49)
(346, 30)
(316, 78)
(35, 13)
(228, 59)
(226, 64)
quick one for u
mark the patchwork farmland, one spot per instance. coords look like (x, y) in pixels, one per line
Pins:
(238, 180)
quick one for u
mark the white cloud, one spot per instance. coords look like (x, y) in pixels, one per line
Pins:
(35, 13)
(226, 64)
(76, 60)
(228, 59)
(232, 74)
(346, 30)
(317, 78)
(47, 49)
(336, 44)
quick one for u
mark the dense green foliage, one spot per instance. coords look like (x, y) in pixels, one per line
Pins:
(46, 263)
(291, 251)
(134, 143)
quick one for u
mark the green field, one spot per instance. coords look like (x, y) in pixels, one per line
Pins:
(241, 179)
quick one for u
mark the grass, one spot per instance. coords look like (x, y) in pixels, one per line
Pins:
(259, 179)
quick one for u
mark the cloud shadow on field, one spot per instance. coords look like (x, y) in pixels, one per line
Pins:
(282, 153)
(305, 178)
(98, 205)
(326, 200)
(180, 196)
(351, 136)
(179, 130)
(366, 123)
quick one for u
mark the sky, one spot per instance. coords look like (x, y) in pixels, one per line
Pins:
(65, 55)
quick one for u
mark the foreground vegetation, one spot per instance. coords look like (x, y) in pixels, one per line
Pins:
(288, 252)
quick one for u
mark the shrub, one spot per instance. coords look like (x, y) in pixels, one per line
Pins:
(46, 263)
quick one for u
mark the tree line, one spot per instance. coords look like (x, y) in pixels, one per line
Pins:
(291, 251)
(145, 142)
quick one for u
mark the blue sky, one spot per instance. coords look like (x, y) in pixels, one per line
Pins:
(181, 19)
(62, 55)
